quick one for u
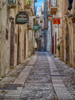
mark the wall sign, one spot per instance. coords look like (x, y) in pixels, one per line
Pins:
(56, 21)
(22, 18)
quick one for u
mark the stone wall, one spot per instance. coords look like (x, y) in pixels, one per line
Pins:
(0, 33)
(66, 21)
(74, 45)
(16, 42)
(49, 38)
(4, 41)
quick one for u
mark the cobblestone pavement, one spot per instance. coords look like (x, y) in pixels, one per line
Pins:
(13, 73)
(37, 86)
(69, 75)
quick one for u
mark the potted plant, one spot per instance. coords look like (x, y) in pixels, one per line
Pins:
(28, 4)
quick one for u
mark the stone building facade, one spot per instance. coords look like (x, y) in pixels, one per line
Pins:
(16, 40)
(45, 24)
(69, 32)
(63, 34)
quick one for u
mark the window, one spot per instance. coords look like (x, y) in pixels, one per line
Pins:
(11, 1)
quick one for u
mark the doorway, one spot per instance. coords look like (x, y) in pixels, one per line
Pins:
(53, 45)
(12, 31)
(25, 44)
(67, 44)
(55, 42)
(39, 46)
(18, 46)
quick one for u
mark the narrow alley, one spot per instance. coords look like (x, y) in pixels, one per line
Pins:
(37, 49)
(39, 79)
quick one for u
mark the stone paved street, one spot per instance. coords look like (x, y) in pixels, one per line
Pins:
(38, 80)
(69, 75)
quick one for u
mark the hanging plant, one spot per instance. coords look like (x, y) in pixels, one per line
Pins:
(48, 14)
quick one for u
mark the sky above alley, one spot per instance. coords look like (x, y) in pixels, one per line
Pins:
(38, 4)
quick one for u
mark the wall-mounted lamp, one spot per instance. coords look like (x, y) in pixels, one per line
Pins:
(11, 19)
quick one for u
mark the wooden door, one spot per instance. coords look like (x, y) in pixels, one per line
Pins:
(67, 44)
(53, 45)
(25, 44)
(55, 42)
(18, 46)
(12, 44)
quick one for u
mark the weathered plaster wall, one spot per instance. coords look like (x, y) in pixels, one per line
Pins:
(4, 42)
(49, 38)
(0, 33)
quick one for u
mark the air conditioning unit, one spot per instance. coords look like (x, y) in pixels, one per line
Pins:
(0, 4)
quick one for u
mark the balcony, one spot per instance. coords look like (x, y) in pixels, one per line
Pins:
(28, 10)
(11, 3)
(28, 7)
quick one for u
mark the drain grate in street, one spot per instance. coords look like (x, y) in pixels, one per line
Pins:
(10, 86)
